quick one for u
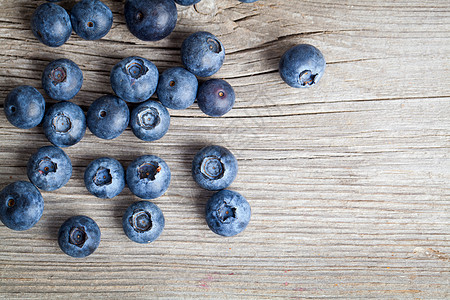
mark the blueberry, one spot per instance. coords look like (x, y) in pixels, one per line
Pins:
(134, 79)
(49, 168)
(214, 168)
(104, 177)
(177, 88)
(24, 107)
(227, 213)
(248, 1)
(215, 97)
(51, 25)
(62, 79)
(21, 205)
(64, 124)
(150, 121)
(79, 236)
(107, 117)
(302, 66)
(148, 176)
(202, 54)
(187, 2)
(143, 222)
(91, 19)
(150, 20)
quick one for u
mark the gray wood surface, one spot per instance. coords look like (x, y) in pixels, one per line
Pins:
(349, 181)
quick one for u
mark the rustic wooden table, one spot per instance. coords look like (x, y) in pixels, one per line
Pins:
(349, 181)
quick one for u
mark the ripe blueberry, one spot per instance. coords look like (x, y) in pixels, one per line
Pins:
(150, 121)
(187, 2)
(150, 20)
(21, 205)
(104, 177)
(148, 176)
(143, 222)
(62, 79)
(24, 107)
(107, 117)
(202, 54)
(91, 19)
(302, 66)
(79, 236)
(51, 25)
(49, 168)
(227, 213)
(214, 168)
(215, 97)
(134, 79)
(64, 124)
(177, 88)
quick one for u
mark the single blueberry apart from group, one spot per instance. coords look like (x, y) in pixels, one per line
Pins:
(150, 20)
(302, 66)
(79, 236)
(104, 177)
(248, 1)
(177, 88)
(91, 19)
(202, 54)
(64, 124)
(62, 79)
(49, 168)
(143, 222)
(24, 107)
(227, 213)
(107, 117)
(21, 205)
(215, 97)
(134, 79)
(149, 121)
(187, 2)
(214, 168)
(51, 24)
(148, 176)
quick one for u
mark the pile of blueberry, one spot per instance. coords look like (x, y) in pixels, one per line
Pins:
(134, 80)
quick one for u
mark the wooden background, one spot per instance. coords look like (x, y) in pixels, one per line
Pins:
(349, 181)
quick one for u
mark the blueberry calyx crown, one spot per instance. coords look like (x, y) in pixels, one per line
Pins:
(78, 236)
(61, 123)
(46, 165)
(148, 118)
(102, 177)
(136, 68)
(226, 212)
(10, 202)
(149, 170)
(212, 167)
(307, 78)
(141, 221)
(214, 45)
(58, 75)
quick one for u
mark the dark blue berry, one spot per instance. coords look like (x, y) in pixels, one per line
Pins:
(248, 1)
(64, 124)
(150, 121)
(302, 66)
(79, 236)
(202, 54)
(150, 20)
(215, 97)
(104, 177)
(21, 205)
(148, 176)
(227, 213)
(143, 222)
(62, 79)
(134, 79)
(177, 88)
(51, 25)
(91, 19)
(107, 117)
(214, 168)
(187, 2)
(49, 168)
(24, 107)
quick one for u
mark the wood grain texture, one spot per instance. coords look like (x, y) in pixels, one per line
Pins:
(349, 181)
